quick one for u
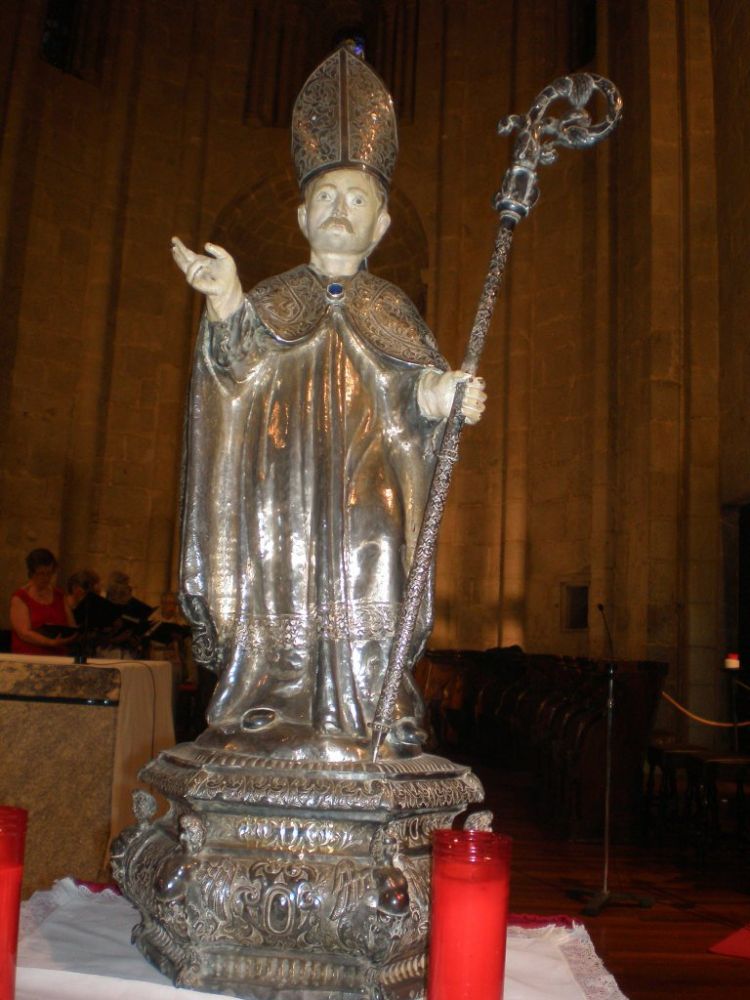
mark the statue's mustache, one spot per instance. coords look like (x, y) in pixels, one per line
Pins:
(338, 220)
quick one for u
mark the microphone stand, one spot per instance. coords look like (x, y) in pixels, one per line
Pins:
(598, 899)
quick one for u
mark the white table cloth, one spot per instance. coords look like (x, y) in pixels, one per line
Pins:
(75, 945)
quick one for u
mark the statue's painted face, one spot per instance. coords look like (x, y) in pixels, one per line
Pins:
(343, 212)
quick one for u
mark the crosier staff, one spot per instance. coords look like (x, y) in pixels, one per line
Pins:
(538, 137)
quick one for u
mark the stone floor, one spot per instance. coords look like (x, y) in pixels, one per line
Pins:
(654, 953)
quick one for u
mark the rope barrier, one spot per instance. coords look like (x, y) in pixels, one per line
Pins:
(697, 718)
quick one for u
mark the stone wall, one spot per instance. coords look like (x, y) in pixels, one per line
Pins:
(731, 36)
(599, 457)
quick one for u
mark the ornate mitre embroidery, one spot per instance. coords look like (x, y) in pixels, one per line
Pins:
(344, 117)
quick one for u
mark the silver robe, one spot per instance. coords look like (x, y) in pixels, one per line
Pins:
(306, 474)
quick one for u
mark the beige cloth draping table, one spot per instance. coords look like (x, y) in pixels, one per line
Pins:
(75, 945)
(143, 725)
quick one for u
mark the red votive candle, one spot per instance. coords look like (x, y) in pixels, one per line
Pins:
(468, 915)
(12, 842)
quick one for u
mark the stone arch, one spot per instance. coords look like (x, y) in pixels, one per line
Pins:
(259, 228)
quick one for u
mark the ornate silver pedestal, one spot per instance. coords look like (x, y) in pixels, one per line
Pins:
(281, 879)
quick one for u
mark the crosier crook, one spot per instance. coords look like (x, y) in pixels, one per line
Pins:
(538, 137)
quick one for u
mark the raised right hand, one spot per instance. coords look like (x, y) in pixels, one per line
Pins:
(214, 274)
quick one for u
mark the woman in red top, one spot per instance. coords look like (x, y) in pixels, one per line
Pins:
(39, 603)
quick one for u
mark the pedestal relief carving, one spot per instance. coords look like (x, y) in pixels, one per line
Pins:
(275, 879)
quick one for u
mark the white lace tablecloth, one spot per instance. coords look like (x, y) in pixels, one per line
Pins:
(75, 945)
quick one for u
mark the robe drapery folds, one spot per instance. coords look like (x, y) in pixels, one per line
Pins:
(307, 470)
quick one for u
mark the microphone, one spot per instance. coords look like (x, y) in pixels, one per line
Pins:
(600, 609)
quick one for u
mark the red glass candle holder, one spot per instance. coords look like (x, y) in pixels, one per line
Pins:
(468, 915)
(12, 843)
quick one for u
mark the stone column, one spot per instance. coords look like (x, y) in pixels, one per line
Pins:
(666, 408)
(700, 545)
(82, 543)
